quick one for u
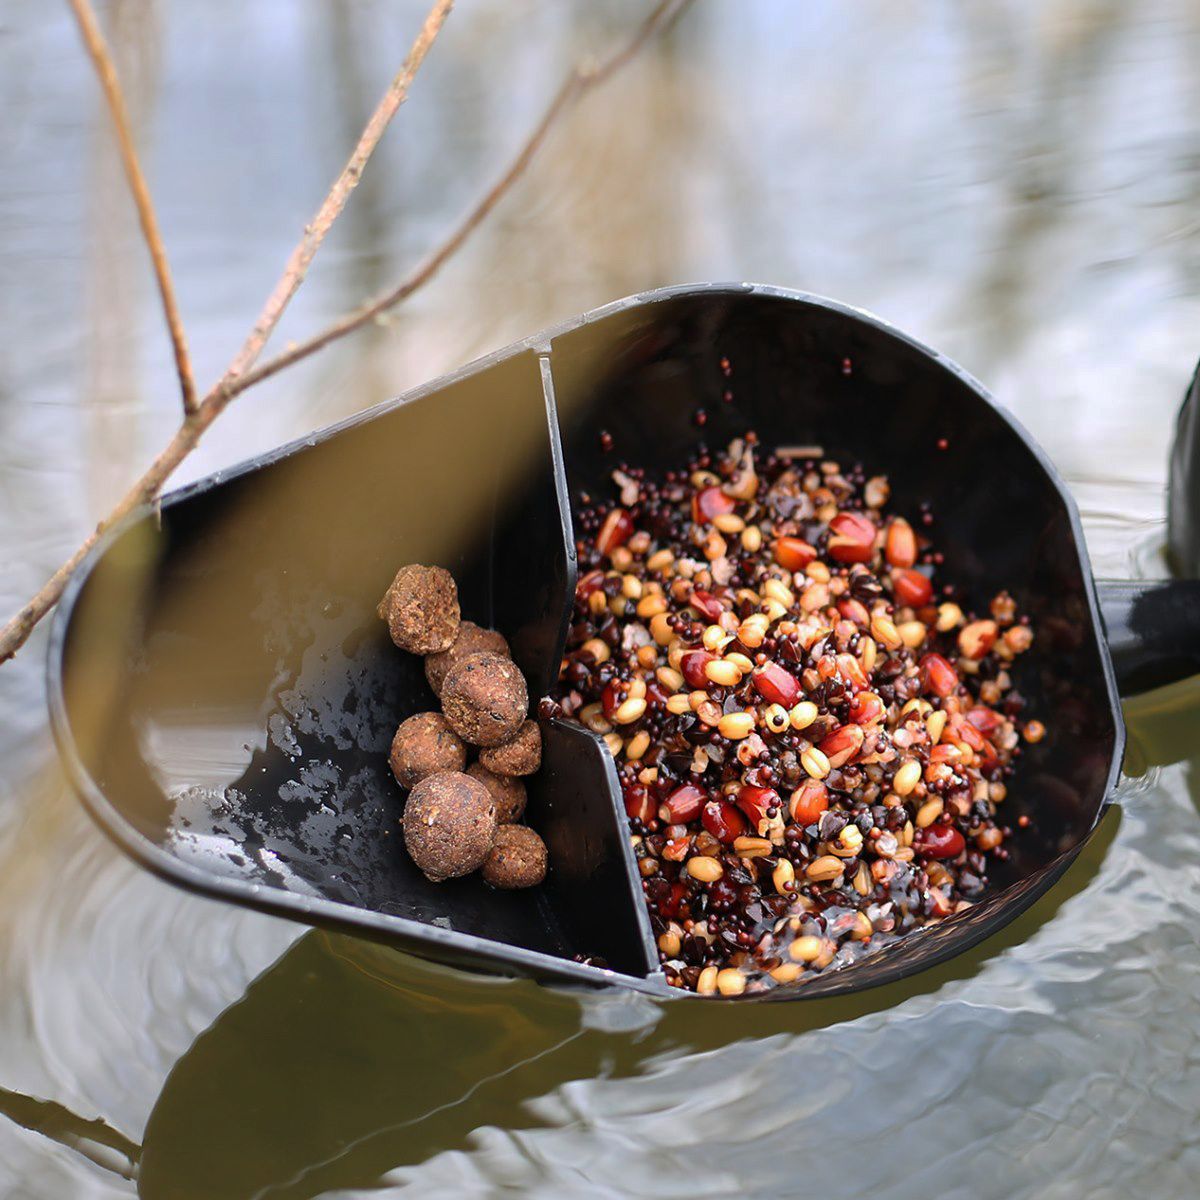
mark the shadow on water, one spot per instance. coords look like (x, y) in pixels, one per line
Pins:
(94, 1139)
(345, 1060)
(1160, 725)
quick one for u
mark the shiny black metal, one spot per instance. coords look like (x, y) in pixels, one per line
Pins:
(224, 694)
(1152, 628)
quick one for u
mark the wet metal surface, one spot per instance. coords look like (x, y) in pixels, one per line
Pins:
(1016, 184)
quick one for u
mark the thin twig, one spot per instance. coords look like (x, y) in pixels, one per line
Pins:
(315, 231)
(199, 417)
(93, 39)
(576, 85)
(569, 92)
(240, 377)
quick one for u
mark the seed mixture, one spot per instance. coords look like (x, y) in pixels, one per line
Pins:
(458, 819)
(812, 737)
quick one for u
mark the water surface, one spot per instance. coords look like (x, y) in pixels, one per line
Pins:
(1017, 184)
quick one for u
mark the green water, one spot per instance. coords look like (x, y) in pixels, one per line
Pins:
(1017, 184)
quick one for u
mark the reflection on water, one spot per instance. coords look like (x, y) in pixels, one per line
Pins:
(1017, 184)
(328, 1098)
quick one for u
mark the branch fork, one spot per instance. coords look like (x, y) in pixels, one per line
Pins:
(242, 373)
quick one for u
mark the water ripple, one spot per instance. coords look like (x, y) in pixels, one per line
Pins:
(116, 971)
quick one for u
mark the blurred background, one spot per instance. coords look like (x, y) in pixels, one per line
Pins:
(1017, 184)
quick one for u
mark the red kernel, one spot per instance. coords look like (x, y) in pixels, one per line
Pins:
(710, 502)
(593, 581)
(852, 538)
(793, 553)
(776, 685)
(854, 611)
(866, 708)
(842, 744)
(616, 531)
(671, 906)
(939, 841)
(937, 675)
(850, 669)
(966, 731)
(808, 802)
(912, 588)
(676, 849)
(986, 720)
(754, 802)
(706, 604)
(685, 803)
(723, 821)
(900, 548)
(692, 664)
(639, 805)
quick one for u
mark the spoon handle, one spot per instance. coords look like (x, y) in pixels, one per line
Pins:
(1153, 630)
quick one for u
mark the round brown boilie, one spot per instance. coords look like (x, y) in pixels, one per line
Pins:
(520, 755)
(517, 860)
(424, 744)
(472, 639)
(421, 609)
(449, 825)
(507, 794)
(485, 699)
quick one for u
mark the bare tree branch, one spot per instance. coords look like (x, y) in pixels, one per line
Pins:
(93, 39)
(198, 417)
(315, 231)
(239, 377)
(577, 84)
